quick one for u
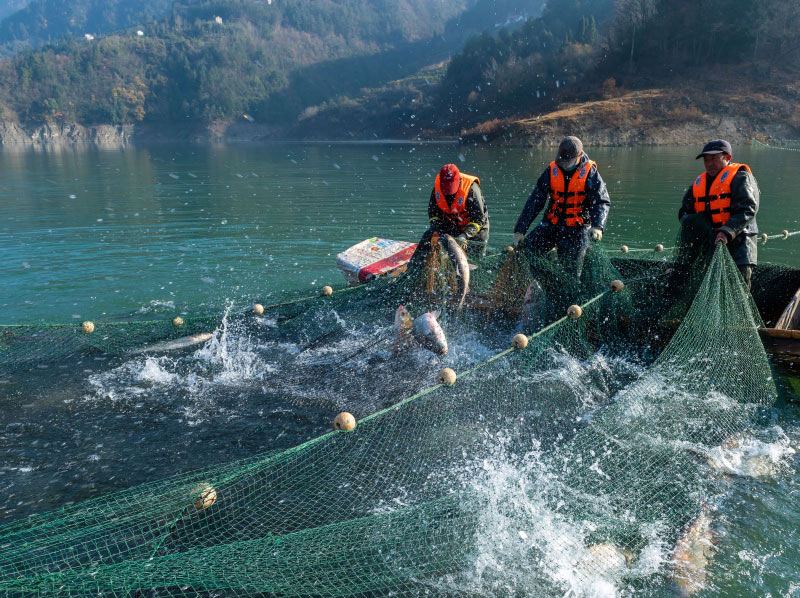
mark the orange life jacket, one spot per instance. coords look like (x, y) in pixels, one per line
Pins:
(567, 203)
(718, 201)
(457, 211)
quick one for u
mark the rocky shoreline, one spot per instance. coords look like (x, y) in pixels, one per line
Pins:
(62, 135)
(638, 118)
(648, 118)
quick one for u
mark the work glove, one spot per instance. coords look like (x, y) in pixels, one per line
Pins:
(462, 241)
(721, 238)
(596, 233)
(518, 238)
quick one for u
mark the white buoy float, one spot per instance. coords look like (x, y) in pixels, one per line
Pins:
(87, 327)
(177, 321)
(258, 309)
(764, 238)
(574, 312)
(659, 247)
(206, 496)
(344, 422)
(510, 249)
(520, 341)
(785, 234)
(447, 377)
(624, 249)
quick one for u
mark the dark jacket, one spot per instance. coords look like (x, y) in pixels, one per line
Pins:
(595, 207)
(478, 214)
(741, 228)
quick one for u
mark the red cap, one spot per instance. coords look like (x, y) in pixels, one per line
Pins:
(449, 178)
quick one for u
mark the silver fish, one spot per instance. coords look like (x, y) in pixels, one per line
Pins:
(692, 555)
(459, 260)
(531, 318)
(428, 333)
(402, 329)
(179, 343)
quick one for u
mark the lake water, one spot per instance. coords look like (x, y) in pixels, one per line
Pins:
(88, 233)
(162, 231)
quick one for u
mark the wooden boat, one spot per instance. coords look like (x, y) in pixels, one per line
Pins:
(776, 292)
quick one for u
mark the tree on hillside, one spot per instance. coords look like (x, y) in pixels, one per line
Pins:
(632, 15)
(517, 70)
(675, 33)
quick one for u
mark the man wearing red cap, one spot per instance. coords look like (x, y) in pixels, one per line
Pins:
(577, 208)
(456, 208)
(725, 196)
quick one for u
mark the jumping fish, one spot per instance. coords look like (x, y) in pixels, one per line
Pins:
(531, 308)
(179, 343)
(428, 333)
(424, 330)
(691, 556)
(459, 260)
(402, 329)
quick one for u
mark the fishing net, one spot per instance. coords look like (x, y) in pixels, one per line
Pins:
(583, 460)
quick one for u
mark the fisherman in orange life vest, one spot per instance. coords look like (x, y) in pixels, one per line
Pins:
(727, 196)
(456, 208)
(577, 210)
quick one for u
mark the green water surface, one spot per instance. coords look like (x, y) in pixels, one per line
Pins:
(88, 233)
(157, 231)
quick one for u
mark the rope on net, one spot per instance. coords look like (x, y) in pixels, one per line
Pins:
(777, 147)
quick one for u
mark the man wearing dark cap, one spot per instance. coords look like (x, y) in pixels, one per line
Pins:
(456, 207)
(726, 197)
(577, 209)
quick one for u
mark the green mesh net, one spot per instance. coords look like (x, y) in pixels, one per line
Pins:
(583, 459)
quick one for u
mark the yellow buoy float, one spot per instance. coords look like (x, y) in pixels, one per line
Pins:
(344, 422)
(574, 312)
(327, 291)
(258, 309)
(177, 321)
(659, 247)
(520, 341)
(206, 496)
(509, 249)
(447, 377)
(624, 249)
(87, 327)
(617, 286)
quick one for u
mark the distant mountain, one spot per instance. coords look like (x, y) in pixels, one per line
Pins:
(207, 60)
(8, 7)
(42, 21)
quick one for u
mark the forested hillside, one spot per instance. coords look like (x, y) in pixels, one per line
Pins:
(50, 20)
(218, 59)
(329, 68)
(632, 71)
(495, 75)
(588, 49)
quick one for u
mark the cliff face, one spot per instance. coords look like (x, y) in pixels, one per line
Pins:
(48, 134)
(54, 135)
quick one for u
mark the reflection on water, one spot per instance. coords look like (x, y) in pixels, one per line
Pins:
(87, 233)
